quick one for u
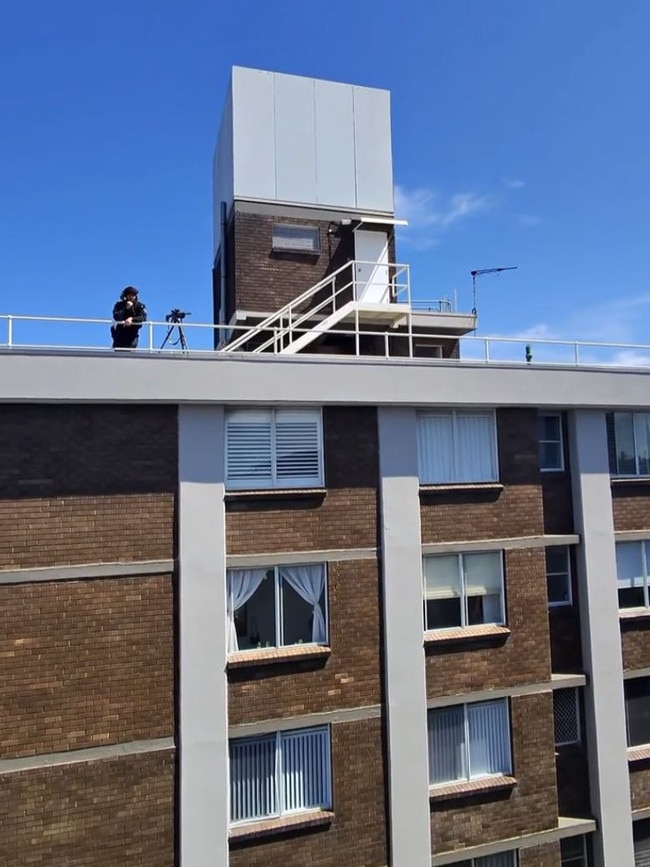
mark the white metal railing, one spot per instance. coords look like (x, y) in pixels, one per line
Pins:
(61, 334)
(328, 295)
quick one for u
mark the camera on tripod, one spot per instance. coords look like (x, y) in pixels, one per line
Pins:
(176, 315)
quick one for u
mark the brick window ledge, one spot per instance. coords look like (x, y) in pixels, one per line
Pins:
(269, 655)
(630, 480)
(281, 493)
(465, 633)
(461, 486)
(633, 613)
(464, 788)
(280, 825)
(638, 754)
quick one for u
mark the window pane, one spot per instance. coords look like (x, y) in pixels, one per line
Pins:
(629, 570)
(305, 770)
(624, 437)
(446, 745)
(442, 592)
(252, 778)
(255, 620)
(642, 438)
(503, 859)
(550, 456)
(475, 459)
(304, 239)
(558, 583)
(557, 560)
(489, 738)
(435, 449)
(483, 587)
(572, 852)
(297, 616)
(637, 708)
(548, 427)
(557, 587)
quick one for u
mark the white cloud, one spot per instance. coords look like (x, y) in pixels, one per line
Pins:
(428, 213)
(528, 220)
(514, 183)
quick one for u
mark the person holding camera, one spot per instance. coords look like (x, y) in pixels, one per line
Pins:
(128, 315)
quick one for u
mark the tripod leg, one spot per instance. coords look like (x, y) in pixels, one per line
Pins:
(181, 337)
(167, 336)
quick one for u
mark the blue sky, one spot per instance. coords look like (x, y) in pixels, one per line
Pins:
(520, 137)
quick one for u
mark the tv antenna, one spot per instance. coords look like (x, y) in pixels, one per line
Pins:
(479, 272)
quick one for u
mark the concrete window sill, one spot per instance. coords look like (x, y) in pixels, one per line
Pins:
(461, 486)
(464, 788)
(630, 480)
(271, 493)
(633, 613)
(269, 655)
(467, 633)
(283, 824)
(638, 754)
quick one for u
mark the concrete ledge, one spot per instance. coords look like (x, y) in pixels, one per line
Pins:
(287, 558)
(467, 788)
(331, 717)
(467, 633)
(92, 754)
(627, 614)
(268, 827)
(271, 655)
(638, 754)
(86, 571)
(271, 493)
(568, 681)
(506, 544)
(632, 535)
(460, 486)
(636, 672)
(488, 694)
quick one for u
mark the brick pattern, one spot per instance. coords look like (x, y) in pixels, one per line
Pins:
(540, 856)
(350, 677)
(85, 663)
(530, 807)
(572, 771)
(517, 510)
(104, 813)
(631, 506)
(566, 646)
(85, 484)
(640, 785)
(357, 835)
(344, 517)
(522, 657)
(558, 503)
(635, 640)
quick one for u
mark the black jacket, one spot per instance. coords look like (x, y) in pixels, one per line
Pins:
(138, 313)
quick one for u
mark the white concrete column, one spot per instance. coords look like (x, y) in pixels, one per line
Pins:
(203, 706)
(601, 639)
(406, 704)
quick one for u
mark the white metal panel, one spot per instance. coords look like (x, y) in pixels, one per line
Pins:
(253, 134)
(373, 158)
(335, 177)
(371, 270)
(295, 139)
(222, 169)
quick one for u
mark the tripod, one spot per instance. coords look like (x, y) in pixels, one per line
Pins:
(176, 322)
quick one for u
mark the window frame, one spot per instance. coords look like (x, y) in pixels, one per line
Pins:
(573, 859)
(645, 561)
(287, 248)
(454, 414)
(463, 591)
(275, 483)
(634, 416)
(569, 576)
(560, 441)
(280, 794)
(279, 608)
(627, 681)
(578, 717)
(466, 743)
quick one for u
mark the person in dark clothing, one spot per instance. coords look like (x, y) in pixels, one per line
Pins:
(128, 316)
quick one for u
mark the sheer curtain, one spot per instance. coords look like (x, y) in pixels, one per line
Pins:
(242, 584)
(309, 582)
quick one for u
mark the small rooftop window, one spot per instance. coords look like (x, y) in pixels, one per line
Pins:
(296, 239)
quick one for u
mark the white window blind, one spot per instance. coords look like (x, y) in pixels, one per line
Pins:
(299, 239)
(287, 772)
(274, 448)
(469, 742)
(457, 447)
(641, 831)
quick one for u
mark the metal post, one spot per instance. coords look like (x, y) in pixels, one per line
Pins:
(576, 349)
(10, 331)
(386, 344)
(150, 325)
(487, 350)
(356, 332)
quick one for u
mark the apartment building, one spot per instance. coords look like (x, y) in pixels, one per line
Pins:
(332, 593)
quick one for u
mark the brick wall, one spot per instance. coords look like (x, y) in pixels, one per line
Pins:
(86, 484)
(635, 639)
(640, 785)
(85, 663)
(104, 813)
(540, 856)
(350, 677)
(515, 511)
(521, 657)
(344, 517)
(631, 505)
(357, 836)
(532, 804)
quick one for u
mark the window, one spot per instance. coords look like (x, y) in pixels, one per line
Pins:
(296, 239)
(457, 447)
(286, 772)
(566, 716)
(637, 711)
(551, 452)
(641, 832)
(558, 576)
(463, 590)
(467, 742)
(277, 607)
(632, 574)
(573, 852)
(503, 859)
(632, 440)
(274, 448)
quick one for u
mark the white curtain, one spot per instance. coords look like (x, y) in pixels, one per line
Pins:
(308, 582)
(242, 584)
